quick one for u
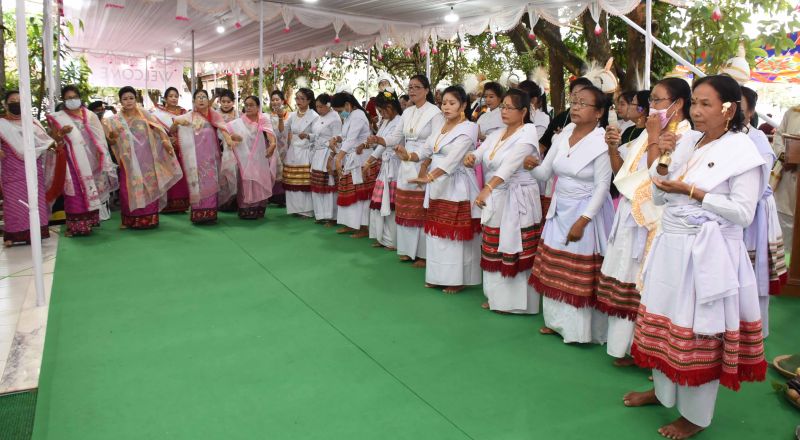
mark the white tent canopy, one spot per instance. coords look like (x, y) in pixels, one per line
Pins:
(142, 27)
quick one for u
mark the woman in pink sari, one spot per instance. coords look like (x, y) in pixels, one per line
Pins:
(12, 172)
(199, 132)
(255, 159)
(90, 175)
(147, 164)
(178, 195)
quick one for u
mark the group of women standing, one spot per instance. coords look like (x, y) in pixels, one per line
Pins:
(666, 279)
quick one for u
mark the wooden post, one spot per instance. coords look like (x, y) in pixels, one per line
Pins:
(792, 157)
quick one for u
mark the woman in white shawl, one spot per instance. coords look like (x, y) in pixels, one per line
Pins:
(323, 184)
(91, 175)
(567, 265)
(418, 121)
(297, 166)
(490, 120)
(255, 159)
(452, 222)
(512, 210)
(699, 323)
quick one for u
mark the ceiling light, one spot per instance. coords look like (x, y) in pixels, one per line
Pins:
(452, 17)
(220, 29)
(177, 49)
(309, 1)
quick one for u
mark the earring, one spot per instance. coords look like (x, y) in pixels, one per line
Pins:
(727, 124)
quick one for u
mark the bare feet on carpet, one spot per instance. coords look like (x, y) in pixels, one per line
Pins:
(420, 263)
(452, 290)
(391, 248)
(359, 234)
(485, 306)
(680, 429)
(344, 230)
(330, 224)
(547, 331)
(640, 398)
(624, 362)
(405, 258)
(431, 286)
(377, 245)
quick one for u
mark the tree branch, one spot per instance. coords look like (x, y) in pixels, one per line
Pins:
(550, 34)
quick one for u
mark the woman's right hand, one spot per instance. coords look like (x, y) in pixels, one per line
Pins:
(613, 136)
(182, 122)
(469, 160)
(402, 153)
(65, 130)
(667, 141)
(653, 126)
(530, 163)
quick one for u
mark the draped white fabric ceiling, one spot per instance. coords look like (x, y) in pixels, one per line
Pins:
(144, 27)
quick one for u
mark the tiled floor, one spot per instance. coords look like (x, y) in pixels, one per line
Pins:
(22, 322)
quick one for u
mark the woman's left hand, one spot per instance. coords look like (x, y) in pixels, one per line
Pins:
(576, 231)
(420, 181)
(480, 202)
(672, 186)
(530, 163)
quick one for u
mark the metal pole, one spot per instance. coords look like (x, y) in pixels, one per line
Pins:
(236, 91)
(194, 73)
(681, 60)
(58, 56)
(366, 84)
(261, 55)
(274, 72)
(146, 80)
(428, 65)
(47, 10)
(31, 172)
(648, 43)
(165, 74)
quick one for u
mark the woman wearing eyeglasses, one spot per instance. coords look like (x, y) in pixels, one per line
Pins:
(637, 219)
(452, 224)
(511, 209)
(567, 266)
(699, 324)
(418, 121)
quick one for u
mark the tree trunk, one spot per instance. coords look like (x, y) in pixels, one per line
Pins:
(550, 34)
(598, 49)
(556, 72)
(635, 51)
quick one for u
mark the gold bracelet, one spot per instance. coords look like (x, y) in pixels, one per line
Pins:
(691, 191)
(430, 177)
(489, 185)
(588, 219)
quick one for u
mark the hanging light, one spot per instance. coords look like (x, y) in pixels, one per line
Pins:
(177, 48)
(220, 28)
(452, 17)
(309, 1)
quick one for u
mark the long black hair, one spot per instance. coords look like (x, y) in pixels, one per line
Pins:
(461, 96)
(426, 84)
(170, 89)
(388, 99)
(751, 97)
(324, 99)
(308, 93)
(535, 92)
(643, 100)
(339, 100)
(679, 89)
(729, 91)
(521, 100)
(494, 87)
(127, 89)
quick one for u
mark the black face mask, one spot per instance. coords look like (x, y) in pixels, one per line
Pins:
(14, 109)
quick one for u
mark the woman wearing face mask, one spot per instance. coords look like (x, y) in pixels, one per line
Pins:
(280, 112)
(637, 219)
(147, 163)
(382, 226)
(491, 120)
(323, 185)
(452, 224)
(699, 323)
(178, 195)
(227, 106)
(200, 131)
(567, 265)
(763, 237)
(16, 218)
(511, 209)
(255, 159)
(355, 186)
(90, 176)
(297, 166)
(418, 121)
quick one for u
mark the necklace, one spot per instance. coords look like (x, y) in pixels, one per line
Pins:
(436, 147)
(415, 121)
(300, 114)
(501, 141)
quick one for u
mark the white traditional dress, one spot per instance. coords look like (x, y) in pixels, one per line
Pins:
(297, 166)
(636, 222)
(452, 222)
(355, 187)
(541, 120)
(382, 226)
(490, 121)
(409, 210)
(764, 239)
(567, 274)
(512, 221)
(323, 184)
(178, 195)
(278, 192)
(699, 322)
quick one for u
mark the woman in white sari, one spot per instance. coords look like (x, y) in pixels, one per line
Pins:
(567, 265)
(354, 186)
(491, 120)
(382, 226)
(91, 175)
(699, 324)
(418, 121)
(512, 210)
(255, 159)
(452, 222)
(323, 185)
(297, 166)
(279, 113)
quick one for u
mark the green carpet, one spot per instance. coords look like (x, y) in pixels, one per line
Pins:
(282, 329)
(16, 415)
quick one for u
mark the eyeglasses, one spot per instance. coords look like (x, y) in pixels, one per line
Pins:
(507, 107)
(580, 104)
(415, 87)
(652, 100)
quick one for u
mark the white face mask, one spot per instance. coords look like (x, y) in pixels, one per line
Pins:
(73, 104)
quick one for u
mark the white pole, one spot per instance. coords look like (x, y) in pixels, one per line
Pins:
(261, 55)
(165, 73)
(274, 73)
(47, 11)
(146, 80)
(236, 91)
(681, 60)
(58, 56)
(366, 84)
(31, 174)
(194, 73)
(428, 65)
(648, 43)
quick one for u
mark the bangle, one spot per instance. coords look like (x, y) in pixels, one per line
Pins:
(588, 219)
(691, 191)
(489, 185)
(430, 177)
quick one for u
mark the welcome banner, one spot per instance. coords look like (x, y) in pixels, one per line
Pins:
(119, 71)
